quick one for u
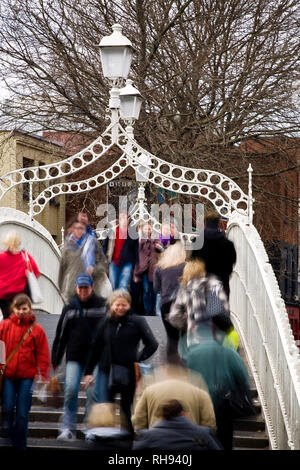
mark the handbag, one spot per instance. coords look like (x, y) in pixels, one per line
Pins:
(119, 377)
(239, 403)
(3, 366)
(33, 285)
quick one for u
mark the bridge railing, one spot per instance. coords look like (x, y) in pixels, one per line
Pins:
(39, 243)
(260, 316)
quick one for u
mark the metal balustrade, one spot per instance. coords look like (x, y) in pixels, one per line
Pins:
(259, 314)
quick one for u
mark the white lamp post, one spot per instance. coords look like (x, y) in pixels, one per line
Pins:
(130, 102)
(116, 54)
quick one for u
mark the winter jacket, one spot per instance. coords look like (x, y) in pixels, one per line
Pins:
(74, 332)
(117, 342)
(177, 434)
(219, 255)
(13, 273)
(221, 367)
(200, 301)
(176, 385)
(129, 252)
(147, 258)
(166, 281)
(77, 255)
(33, 356)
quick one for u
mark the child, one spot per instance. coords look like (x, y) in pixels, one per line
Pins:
(31, 358)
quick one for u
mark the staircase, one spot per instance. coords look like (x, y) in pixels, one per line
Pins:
(249, 433)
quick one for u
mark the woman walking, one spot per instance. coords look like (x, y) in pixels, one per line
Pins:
(27, 356)
(115, 349)
(13, 266)
(167, 273)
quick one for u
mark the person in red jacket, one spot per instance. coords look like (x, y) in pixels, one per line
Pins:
(32, 359)
(13, 268)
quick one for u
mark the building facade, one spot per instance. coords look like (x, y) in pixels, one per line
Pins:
(21, 150)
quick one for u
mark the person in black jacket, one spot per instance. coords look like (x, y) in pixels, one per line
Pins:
(116, 343)
(74, 333)
(176, 432)
(217, 251)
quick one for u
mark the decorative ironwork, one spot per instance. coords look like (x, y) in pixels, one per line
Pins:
(221, 191)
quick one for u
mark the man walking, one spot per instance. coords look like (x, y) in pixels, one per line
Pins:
(217, 252)
(74, 334)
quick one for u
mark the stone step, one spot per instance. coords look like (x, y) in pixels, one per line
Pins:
(251, 423)
(250, 440)
(49, 430)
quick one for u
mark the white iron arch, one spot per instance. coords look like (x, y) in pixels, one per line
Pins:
(217, 188)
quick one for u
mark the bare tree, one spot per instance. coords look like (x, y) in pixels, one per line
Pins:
(215, 75)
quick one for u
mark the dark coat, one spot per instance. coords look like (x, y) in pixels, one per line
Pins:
(177, 434)
(166, 281)
(147, 258)
(219, 255)
(74, 334)
(117, 342)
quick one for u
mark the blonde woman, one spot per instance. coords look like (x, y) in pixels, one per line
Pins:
(200, 299)
(167, 273)
(13, 267)
(116, 344)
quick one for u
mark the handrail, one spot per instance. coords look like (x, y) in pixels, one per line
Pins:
(260, 316)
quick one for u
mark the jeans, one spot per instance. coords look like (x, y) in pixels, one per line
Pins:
(157, 305)
(16, 403)
(101, 394)
(72, 384)
(120, 276)
(148, 295)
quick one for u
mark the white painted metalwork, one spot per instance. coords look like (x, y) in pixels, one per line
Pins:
(250, 198)
(257, 307)
(260, 316)
(59, 169)
(80, 186)
(40, 244)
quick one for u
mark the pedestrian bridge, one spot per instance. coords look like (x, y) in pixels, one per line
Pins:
(257, 309)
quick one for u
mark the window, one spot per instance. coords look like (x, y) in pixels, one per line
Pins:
(27, 163)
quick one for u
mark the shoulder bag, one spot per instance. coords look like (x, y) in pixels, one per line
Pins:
(119, 376)
(3, 366)
(33, 285)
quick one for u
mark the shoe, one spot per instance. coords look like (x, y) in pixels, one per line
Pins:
(66, 435)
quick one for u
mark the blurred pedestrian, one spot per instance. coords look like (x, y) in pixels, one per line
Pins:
(224, 373)
(144, 268)
(121, 251)
(168, 235)
(102, 285)
(217, 252)
(74, 334)
(104, 431)
(115, 349)
(168, 271)
(176, 432)
(13, 267)
(79, 255)
(175, 384)
(201, 298)
(27, 357)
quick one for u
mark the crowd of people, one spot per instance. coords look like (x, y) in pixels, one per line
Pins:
(109, 289)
